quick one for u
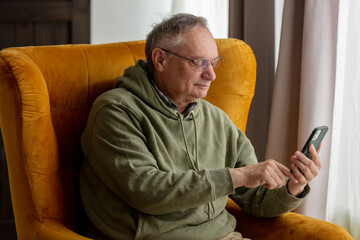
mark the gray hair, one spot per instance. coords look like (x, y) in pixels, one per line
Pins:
(168, 33)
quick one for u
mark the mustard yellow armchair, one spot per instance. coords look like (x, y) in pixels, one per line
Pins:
(45, 96)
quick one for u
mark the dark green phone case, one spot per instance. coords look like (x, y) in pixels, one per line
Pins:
(315, 138)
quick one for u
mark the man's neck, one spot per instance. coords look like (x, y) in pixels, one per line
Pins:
(181, 108)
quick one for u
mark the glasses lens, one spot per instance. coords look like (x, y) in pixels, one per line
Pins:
(204, 63)
(216, 62)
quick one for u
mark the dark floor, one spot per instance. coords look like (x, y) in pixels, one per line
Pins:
(7, 230)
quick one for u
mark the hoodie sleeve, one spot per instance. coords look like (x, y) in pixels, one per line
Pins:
(260, 201)
(263, 202)
(118, 152)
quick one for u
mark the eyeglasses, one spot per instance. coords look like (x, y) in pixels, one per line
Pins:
(200, 63)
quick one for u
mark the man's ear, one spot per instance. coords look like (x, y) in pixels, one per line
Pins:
(159, 59)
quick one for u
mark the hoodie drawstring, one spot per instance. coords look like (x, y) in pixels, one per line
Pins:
(196, 168)
(195, 163)
(196, 141)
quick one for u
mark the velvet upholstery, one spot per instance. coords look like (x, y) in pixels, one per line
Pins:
(46, 94)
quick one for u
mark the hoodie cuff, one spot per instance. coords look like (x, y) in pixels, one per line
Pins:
(286, 198)
(221, 182)
(302, 194)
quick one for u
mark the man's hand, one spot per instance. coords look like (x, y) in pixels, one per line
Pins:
(304, 169)
(269, 173)
(272, 174)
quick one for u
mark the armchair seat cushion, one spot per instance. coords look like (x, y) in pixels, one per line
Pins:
(291, 225)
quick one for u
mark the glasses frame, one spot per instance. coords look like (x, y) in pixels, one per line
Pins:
(194, 61)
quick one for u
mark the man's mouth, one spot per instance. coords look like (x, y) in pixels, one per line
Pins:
(204, 86)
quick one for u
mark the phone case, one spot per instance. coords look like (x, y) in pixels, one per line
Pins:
(315, 138)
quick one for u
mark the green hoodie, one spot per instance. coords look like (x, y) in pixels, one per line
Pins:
(151, 173)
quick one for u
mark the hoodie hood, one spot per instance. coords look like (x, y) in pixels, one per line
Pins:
(136, 80)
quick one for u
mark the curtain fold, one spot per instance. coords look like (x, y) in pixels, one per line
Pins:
(283, 125)
(317, 83)
(343, 205)
(253, 22)
(304, 89)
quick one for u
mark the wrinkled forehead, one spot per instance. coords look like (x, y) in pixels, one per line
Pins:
(199, 43)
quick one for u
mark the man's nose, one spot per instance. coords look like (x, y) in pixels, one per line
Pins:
(209, 73)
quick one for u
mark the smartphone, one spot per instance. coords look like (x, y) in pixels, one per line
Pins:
(315, 138)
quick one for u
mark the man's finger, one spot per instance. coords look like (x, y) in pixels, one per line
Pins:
(314, 155)
(279, 177)
(300, 178)
(308, 171)
(287, 172)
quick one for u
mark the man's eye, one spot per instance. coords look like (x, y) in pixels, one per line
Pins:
(205, 63)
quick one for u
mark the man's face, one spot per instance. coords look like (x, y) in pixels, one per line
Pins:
(180, 81)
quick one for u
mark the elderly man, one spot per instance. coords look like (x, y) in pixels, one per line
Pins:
(160, 161)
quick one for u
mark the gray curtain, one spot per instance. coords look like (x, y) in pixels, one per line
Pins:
(304, 89)
(285, 110)
(253, 22)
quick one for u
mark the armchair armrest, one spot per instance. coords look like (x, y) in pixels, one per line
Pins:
(288, 226)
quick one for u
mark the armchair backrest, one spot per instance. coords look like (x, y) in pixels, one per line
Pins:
(46, 94)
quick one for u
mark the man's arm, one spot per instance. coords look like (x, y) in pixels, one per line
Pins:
(269, 173)
(273, 174)
(261, 188)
